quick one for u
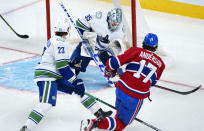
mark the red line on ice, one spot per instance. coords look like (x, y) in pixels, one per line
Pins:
(26, 52)
(30, 53)
(21, 7)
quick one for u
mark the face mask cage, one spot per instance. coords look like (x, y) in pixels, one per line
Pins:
(114, 19)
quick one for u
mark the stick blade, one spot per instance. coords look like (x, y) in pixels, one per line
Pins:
(23, 36)
(196, 88)
(191, 91)
(179, 92)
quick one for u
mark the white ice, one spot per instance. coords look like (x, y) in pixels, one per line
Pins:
(182, 37)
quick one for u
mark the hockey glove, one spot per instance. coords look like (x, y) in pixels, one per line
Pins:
(110, 73)
(79, 88)
(65, 86)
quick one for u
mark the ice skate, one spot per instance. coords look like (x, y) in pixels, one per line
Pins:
(88, 124)
(102, 114)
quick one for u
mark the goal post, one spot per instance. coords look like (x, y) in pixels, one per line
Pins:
(134, 27)
(47, 2)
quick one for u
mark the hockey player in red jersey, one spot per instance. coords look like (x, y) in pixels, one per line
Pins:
(143, 70)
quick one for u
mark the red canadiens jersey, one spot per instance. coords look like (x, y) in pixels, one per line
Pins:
(143, 70)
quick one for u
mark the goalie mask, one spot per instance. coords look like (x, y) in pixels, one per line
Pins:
(63, 26)
(114, 19)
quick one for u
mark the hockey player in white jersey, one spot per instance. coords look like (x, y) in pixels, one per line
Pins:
(54, 74)
(105, 34)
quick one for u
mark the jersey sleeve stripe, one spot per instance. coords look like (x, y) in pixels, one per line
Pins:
(113, 63)
(118, 61)
(81, 25)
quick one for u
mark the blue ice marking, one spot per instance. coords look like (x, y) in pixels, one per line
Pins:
(19, 75)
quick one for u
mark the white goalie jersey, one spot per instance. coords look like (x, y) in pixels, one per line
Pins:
(98, 24)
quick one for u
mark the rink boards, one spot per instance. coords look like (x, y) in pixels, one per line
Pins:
(193, 9)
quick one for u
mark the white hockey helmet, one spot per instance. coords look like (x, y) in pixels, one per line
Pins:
(114, 19)
(62, 26)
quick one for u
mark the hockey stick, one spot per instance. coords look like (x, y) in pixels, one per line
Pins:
(179, 92)
(91, 52)
(137, 119)
(21, 36)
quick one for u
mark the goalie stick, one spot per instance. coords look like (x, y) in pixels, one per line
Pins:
(179, 92)
(111, 106)
(21, 36)
(91, 52)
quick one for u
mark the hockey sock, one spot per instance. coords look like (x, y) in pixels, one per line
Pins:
(90, 103)
(110, 123)
(37, 114)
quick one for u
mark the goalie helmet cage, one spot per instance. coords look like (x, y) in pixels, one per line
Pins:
(135, 24)
(137, 28)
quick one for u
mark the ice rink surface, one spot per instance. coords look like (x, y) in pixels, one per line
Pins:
(181, 37)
